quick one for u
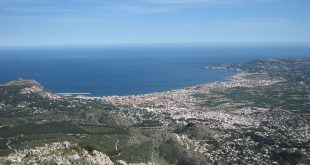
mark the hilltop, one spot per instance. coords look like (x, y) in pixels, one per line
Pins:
(22, 83)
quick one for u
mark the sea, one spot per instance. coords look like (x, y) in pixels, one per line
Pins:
(130, 70)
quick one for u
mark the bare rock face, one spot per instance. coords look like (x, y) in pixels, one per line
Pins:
(40, 91)
(31, 90)
(60, 153)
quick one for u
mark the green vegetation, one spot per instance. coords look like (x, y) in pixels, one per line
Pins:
(45, 128)
(176, 154)
(103, 130)
(136, 153)
(290, 69)
(285, 95)
(88, 136)
(285, 157)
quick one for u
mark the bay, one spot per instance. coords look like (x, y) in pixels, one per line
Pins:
(128, 70)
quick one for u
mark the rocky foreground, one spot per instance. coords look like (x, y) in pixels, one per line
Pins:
(57, 153)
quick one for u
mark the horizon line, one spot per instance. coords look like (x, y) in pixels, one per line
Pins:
(159, 44)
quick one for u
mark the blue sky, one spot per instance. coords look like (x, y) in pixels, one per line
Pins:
(71, 22)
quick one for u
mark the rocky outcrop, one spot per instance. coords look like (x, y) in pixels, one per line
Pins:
(40, 91)
(60, 153)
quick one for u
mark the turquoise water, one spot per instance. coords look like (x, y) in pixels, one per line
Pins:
(104, 71)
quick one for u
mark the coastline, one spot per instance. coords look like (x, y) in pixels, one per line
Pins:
(182, 106)
(237, 80)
